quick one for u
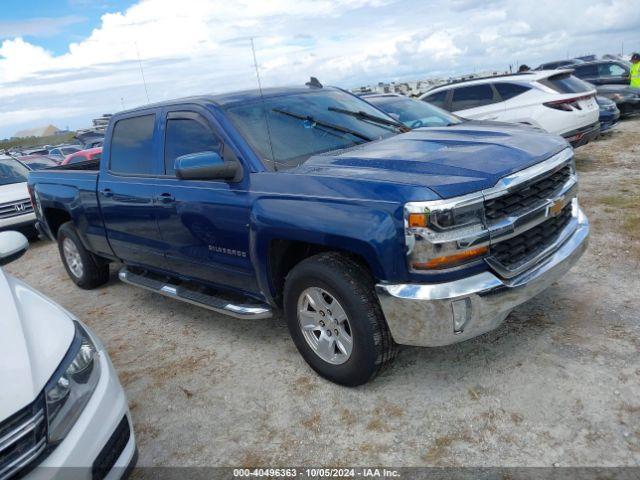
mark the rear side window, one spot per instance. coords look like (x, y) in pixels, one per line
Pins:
(132, 145)
(510, 90)
(437, 99)
(566, 83)
(472, 97)
(76, 159)
(586, 71)
(185, 136)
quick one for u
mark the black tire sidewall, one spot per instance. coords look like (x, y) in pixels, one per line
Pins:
(362, 362)
(89, 267)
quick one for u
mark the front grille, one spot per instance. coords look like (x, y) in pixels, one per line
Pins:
(528, 245)
(15, 209)
(527, 197)
(23, 437)
(108, 456)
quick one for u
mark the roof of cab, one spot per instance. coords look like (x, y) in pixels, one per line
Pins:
(230, 98)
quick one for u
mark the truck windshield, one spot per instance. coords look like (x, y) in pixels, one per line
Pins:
(304, 124)
(12, 171)
(414, 113)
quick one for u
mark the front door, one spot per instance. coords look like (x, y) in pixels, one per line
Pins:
(204, 224)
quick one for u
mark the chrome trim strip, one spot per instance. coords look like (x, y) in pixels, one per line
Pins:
(24, 459)
(530, 174)
(20, 431)
(254, 312)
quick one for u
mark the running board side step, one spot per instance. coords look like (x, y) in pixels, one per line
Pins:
(252, 311)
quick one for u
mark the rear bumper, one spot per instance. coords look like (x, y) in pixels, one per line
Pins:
(582, 136)
(432, 315)
(609, 121)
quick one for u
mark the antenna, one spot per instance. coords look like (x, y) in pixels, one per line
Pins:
(144, 82)
(264, 111)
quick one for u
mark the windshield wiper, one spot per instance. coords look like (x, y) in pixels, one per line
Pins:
(372, 118)
(320, 123)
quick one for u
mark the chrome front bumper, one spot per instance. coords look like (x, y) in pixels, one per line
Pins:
(432, 315)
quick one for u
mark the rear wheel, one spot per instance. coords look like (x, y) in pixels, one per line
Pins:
(86, 270)
(335, 320)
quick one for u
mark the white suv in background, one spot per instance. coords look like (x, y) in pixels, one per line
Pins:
(16, 211)
(553, 100)
(61, 404)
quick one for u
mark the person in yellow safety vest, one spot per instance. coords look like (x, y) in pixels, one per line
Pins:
(634, 73)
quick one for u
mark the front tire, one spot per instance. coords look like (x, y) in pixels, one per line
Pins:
(86, 271)
(335, 320)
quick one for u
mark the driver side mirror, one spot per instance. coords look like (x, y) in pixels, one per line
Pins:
(207, 165)
(12, 246)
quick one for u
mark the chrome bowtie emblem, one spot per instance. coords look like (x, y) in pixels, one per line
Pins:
(556, 207)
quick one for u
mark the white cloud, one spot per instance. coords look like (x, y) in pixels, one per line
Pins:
(197, 46)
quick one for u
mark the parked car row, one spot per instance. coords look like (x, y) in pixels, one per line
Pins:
(554, 101)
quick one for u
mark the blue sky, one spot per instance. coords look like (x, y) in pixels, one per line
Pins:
(67, 61)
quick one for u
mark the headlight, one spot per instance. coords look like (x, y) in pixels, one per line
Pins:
(445, 234)
(71, 386)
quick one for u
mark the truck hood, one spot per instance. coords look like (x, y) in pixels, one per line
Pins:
(13, 192)
(451, 161)
(36, 334)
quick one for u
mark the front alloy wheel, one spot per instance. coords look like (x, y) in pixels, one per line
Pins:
(325, 325)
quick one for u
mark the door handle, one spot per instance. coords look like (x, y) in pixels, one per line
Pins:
(166, 198)
(107, 192)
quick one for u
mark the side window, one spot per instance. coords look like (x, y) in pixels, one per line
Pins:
(611, 70)
(471, 97)
(132, 145)
(55, 151)
(187, 134)
(510, 90)
(437, 99)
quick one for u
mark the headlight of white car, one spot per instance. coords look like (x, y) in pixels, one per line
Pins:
(71, 386)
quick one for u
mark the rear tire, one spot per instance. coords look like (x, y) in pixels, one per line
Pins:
(85, 269)
(335, 319)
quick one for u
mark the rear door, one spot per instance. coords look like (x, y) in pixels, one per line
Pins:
(204, 223)
(127, 188)
(480, 102)
(518, 101)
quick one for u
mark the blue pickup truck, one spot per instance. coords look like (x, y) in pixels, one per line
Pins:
(313, 202)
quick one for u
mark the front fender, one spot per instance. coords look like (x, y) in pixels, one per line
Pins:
(372, 231)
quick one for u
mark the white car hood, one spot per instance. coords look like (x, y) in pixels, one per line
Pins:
(13, 192)
(35, 334)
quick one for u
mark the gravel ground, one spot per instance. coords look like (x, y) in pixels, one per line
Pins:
(558, 383)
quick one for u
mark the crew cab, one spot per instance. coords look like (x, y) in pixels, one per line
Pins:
(314, 202)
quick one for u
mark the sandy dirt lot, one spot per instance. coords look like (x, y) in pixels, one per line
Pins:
(558, 383)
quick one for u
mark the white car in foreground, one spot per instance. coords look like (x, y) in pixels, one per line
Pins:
(61, 404)
(554, 101)
(16, 211)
